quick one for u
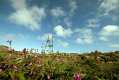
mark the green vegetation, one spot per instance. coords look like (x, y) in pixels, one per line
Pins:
(61, 66)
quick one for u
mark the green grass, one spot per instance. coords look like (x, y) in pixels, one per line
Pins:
(59, 66)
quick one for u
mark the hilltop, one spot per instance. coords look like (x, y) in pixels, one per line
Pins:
(4, 48)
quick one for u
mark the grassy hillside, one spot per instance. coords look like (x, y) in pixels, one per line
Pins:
(60, 66)
(3, 48)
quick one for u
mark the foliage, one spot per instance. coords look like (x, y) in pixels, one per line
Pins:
(94, 66)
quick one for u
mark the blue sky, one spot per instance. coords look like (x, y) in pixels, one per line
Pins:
(77, 25)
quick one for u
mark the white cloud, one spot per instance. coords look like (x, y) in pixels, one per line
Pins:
(114, 45)
(63, 43)
(62, 32)
(88, 39)
(73, 6)
(57, 12)
(67, 22)
(109, 5)
(93, 23)
(79, 40)
(103, 38)
(8, 37)
(111, 28)
(108, 32)
(67, 16)
(85, 40)
(12, 36)
(85, 36)
(28, 17)
(18, 4)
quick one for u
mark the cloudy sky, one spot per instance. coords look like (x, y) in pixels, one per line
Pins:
(77, 25)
